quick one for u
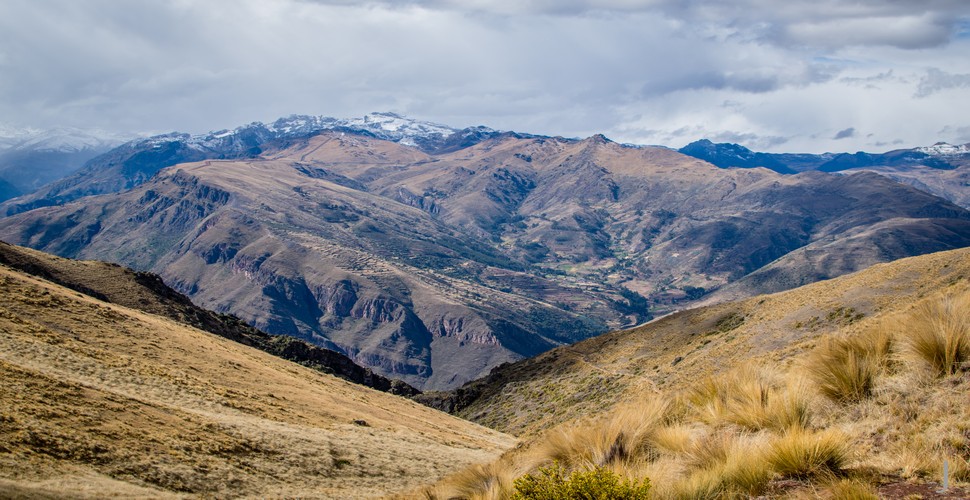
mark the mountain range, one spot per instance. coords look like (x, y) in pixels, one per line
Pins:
(941, 169)
(431, 254)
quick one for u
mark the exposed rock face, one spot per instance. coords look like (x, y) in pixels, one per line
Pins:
(433, 268)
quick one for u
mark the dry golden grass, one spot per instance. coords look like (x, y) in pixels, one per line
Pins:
(620, 436)
(850, 489)
(844, 369)
(812, 455)
(938, 334)
(98, 400)
(795, 429)
(478, 482)
(751, 399)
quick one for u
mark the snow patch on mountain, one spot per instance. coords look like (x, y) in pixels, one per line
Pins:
(386, 126)
(944, 149)
(60, 139)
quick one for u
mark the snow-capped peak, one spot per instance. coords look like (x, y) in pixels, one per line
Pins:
(944, 149)
(427, 136)
(383, 125)
(61, 139)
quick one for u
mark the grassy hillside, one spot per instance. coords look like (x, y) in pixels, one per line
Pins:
(146, 292)
(677, 350)
(102, 400)
(852, 388)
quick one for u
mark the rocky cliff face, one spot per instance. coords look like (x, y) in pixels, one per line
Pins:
(433, 268)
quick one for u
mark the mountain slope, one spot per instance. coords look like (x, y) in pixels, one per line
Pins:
(850, 388)
(146, 292)
(433, 268)
(102, 400)
(674, 352)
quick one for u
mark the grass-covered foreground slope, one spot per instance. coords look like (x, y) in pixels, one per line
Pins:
(676, 351)
(147, 293)
(852, 388)
(101, 400)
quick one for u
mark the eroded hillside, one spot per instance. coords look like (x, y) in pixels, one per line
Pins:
(434, 268)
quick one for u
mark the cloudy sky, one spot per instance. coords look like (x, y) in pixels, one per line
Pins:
(799, 75)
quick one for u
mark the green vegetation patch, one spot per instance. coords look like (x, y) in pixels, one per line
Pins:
(600, 483)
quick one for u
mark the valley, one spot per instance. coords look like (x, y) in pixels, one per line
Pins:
(433, 263)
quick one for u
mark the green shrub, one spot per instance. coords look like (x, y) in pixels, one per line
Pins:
(599, 483)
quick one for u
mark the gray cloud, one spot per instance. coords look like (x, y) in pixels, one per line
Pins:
(627, 68)
(819, 23)
(844, 134)
(956, 134)
(937, 80)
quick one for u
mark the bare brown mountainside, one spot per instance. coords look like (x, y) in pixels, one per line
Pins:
(434, 268)
(146, 292)
(100, 400)
(675, 352)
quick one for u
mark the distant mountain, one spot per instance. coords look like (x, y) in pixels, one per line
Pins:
(940, 156)
(726, 155)
(30, 158)
(435, 267)
(134, 162)
(941, 169)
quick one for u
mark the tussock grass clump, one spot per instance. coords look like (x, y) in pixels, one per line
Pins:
(724, 465)
(711, 451)
(673, 439)
(845, 369)
(850, 489)
(804, 454)
(492, 481)
(750, 399)
(938, 334)
(623, 435)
